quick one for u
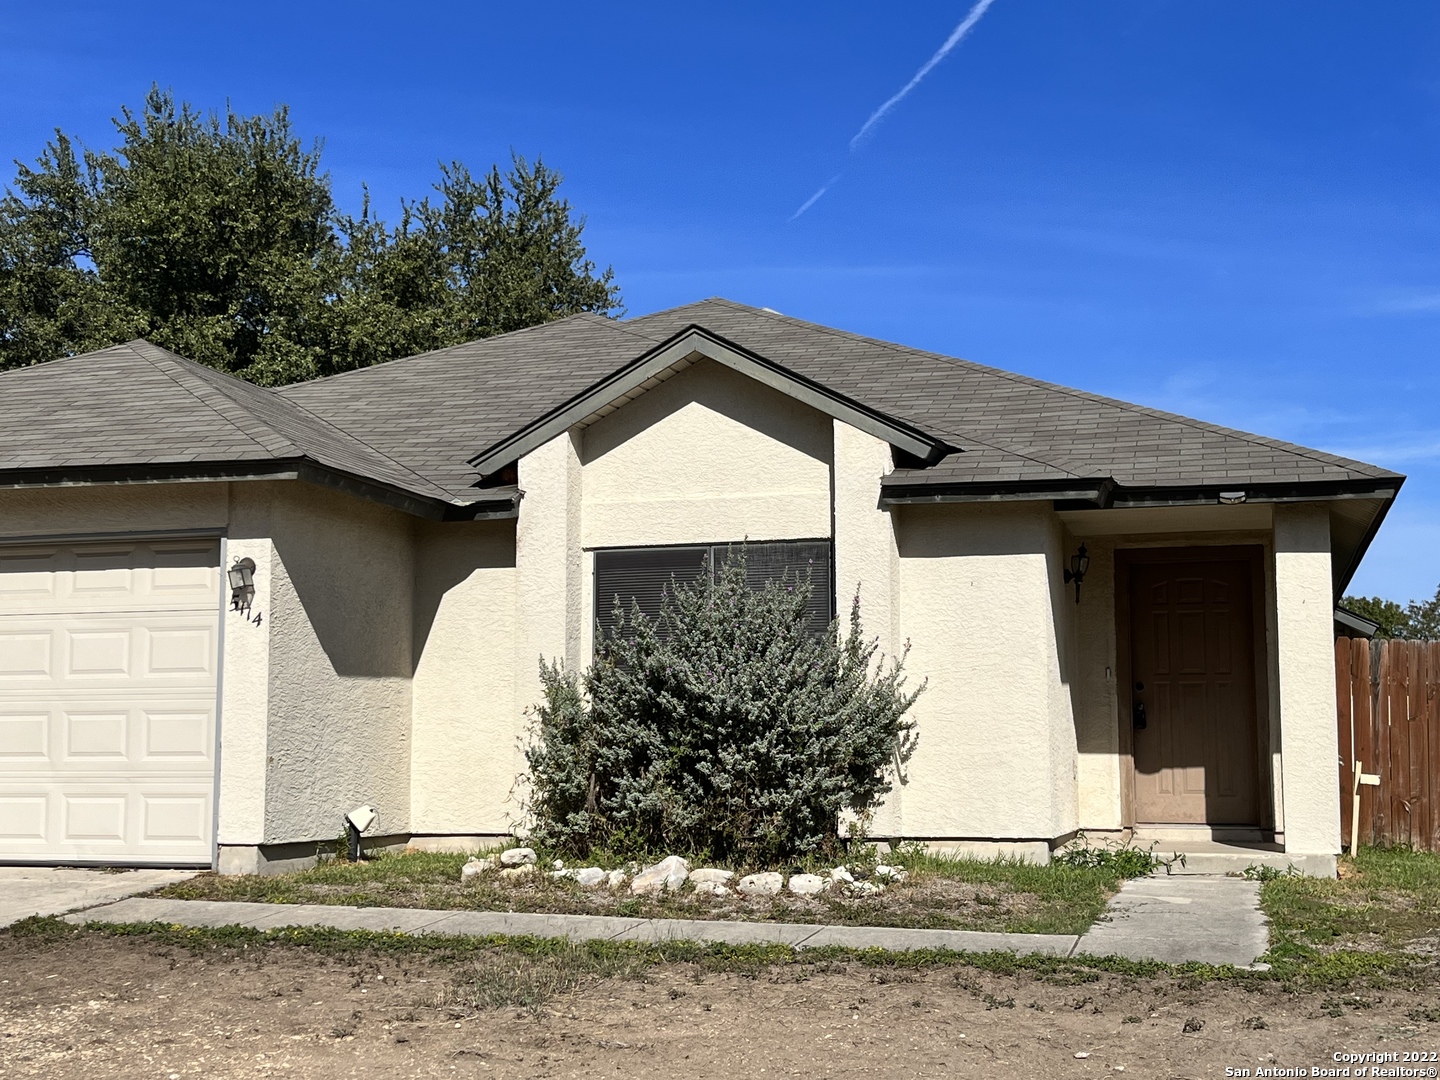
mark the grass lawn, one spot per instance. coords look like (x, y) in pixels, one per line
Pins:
(941, 893)
(1386, 903)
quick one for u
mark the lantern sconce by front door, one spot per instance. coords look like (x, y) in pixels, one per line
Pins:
(242, 584)
(1079, 565)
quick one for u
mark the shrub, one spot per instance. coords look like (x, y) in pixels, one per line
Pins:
(723, 728)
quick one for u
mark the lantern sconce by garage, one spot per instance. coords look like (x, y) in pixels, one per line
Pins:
(1079, 565)
(242, 584)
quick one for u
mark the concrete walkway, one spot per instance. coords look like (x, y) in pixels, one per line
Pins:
(1214, 920)
(574, 927)
(44, 890)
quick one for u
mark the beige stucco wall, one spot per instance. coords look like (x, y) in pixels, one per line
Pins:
(708, 455)
(1306, 676)
(1097, 733)
(867, 567)
(340, 664)
(978, 606)
(466, 715)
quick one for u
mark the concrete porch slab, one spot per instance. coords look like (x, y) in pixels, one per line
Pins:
(1217, 857)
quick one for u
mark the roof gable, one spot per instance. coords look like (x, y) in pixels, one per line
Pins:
(682, 349)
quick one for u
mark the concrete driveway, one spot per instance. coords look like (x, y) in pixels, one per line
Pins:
(43, 890)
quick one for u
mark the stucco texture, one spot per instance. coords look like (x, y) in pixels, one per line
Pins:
(977, 605)
(707, 456)
(466, 716)
(340, 662)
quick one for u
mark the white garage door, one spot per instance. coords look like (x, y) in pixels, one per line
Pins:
(108, 657)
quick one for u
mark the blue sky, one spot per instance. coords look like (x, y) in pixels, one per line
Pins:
(1227, 209)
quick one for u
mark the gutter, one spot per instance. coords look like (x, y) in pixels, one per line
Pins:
(503, 505)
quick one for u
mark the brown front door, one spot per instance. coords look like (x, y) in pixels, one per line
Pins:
(1193, 670)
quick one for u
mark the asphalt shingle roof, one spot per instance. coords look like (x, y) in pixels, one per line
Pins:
(412, 424)
(1042, 426)
(139, 404)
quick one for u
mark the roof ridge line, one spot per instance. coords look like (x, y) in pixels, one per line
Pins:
(153, 362)
(1012, 376)
(444, 348)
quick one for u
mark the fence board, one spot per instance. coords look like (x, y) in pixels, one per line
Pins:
(1362, 691)
(1387, 697)
(1344, 675)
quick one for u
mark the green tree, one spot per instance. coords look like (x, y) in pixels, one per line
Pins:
(491, 255)
(1419, 619)
(724, 729)
(219, 238)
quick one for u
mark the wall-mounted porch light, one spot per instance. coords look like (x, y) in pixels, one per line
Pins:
(1231, 498)
(1079, 565)
(242, 584)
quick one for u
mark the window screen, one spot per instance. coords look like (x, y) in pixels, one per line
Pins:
(640, 575)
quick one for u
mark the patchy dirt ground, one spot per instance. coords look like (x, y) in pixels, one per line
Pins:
(94, 1006)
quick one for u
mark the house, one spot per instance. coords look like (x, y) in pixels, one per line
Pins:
(1125, 616)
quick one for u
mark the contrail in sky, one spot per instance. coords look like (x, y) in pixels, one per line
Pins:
(966, 25)
(813, 199)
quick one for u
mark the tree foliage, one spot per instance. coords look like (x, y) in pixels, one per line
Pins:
(1419, 619)
(724, 728)
(220, 239)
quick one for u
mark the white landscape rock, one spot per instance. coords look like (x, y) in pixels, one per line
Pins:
(865, 888)
(615, 879)
(891, 873)
(474, 869)
(711, 888)
(766, 884)
(589, 876)
(518, 856)
(806, 884)
(712, 875)
(518, 873)
(669, 873)
(842, 876)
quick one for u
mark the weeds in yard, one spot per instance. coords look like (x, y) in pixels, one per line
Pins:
(1121, 860)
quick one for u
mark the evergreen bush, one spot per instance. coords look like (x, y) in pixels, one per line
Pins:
(723, 729)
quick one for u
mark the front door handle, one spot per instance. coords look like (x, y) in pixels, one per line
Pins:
(1139, 716)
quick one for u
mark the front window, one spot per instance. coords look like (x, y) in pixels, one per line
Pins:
(641, 575)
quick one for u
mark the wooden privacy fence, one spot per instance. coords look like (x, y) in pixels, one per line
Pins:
(1388, 693)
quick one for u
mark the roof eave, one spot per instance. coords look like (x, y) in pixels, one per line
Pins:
(498, 505)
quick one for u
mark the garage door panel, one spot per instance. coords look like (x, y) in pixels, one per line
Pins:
(108, 673)
(120, 819)
(98, 654)
(23, 822)
(165, 735)
(179, 651)
(93, 817)
(24, 736)
(95, 736)
(181, 575)
(26, 654)
(27, 578)
(113, 649)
